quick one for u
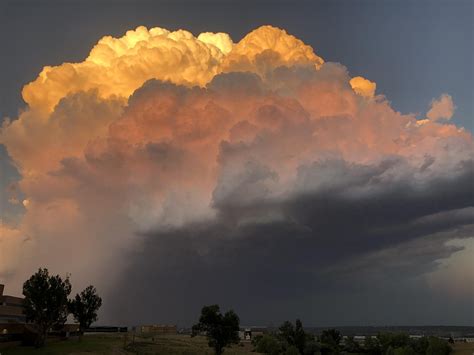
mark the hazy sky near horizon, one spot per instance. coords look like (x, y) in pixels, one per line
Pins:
(279, 183)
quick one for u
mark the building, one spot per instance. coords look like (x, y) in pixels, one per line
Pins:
(250, 333)
(11, 308)
(13, 324)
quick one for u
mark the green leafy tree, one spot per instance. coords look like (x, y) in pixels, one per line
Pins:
(351, 346)
(390, 350)
(395, 340)
(287, 332)
(437, 346)
(330, 341)
(221, 329)
(256, 339)
(84, 308)
(406, 350)
(292, 350)
(46, 302)
(372, 346)
(293, 335)
(312, 347)
(300, 336)
(268, 344)
(420, 345)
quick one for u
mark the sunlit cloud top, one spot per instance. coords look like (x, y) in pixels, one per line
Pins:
(118, 66)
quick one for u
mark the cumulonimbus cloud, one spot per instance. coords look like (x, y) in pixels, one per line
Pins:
(159, 131)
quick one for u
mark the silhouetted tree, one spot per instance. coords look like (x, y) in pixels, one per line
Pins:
(312, 347)
(287, 332)
(372, 346)
(84, 308)
(351, 346)
(438, 346)
(293, 335)
(401, 344)
(221, 330)
(267, 344)
(46, 302)
(390, 350)
(395, 340)
(330, 340)
(405, 350)
(420, 345)
(300, 336)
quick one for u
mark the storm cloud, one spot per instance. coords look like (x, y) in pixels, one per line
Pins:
(305, 255)
(174, 170)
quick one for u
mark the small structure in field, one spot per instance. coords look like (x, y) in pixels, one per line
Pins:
(249, 333)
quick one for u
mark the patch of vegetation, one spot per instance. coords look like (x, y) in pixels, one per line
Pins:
(221, 330)
(46, 305)
(292, 339)
(183, 345)
(91, 345)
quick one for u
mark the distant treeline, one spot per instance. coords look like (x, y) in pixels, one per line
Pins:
(222, 330)
(293, 339)
(431, 330)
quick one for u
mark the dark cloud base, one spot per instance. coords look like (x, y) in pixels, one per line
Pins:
(321, 256)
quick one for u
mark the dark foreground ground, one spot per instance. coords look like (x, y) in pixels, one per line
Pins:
(122, 344)
(95, 344)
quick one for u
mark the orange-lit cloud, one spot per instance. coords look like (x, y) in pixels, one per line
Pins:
(119, 66)
(105, 152)
(12, 243)
(442, 108)
(363, 86)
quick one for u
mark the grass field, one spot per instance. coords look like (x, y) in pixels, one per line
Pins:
(96, 344)
(115, 344)
(121, 344)
(463, 349)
